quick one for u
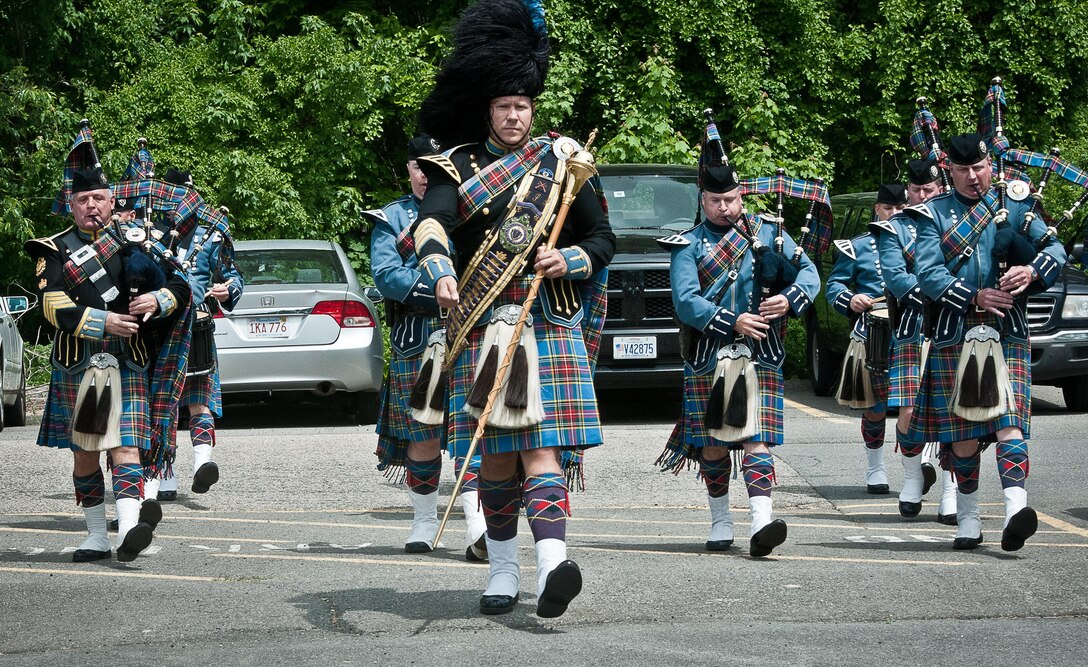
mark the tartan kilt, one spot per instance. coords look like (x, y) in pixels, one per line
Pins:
(203, 389)
(690, 434)
(571, 420)
(933, 418)
(395, 427)
(60, 407)
(905, 374)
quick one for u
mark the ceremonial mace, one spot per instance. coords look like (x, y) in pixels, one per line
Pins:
(581, 168)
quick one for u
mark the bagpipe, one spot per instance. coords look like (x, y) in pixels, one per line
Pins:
(925, 139)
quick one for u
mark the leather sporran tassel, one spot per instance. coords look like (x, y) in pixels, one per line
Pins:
(736, 411)
(715, 406)
(988, 393)
(517, 383)
(86, 407)
(969, 385)
(418, 398)
(860, 376)
(485, 380)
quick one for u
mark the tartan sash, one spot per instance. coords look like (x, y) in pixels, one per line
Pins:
(406, 244)
(957, 239)
(101, 250)
(498, 176)
(726, 254)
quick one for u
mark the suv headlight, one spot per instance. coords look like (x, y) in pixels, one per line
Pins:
(1076, 307)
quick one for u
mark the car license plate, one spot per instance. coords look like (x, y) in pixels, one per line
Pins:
(268, 327)
(634, 347)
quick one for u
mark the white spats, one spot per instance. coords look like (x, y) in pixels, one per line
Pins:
(912, 480)
(948, 494)
(151, 488)
(474, 517)
(970, 525)
(128, 514)
(550, 552)
(168, 484)
(504, 574)
(201, 455)
(424, 519)
(97, 540)
(760, 509)
(721, 519)
(1016, 499)
(875, 472)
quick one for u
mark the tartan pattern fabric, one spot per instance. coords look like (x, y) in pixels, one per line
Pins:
(423, 476)
(104, 247)
(904, 374)
(204, 390)
(595, 306)
(55, 430)
(90, 489)
(933, 419)
(498, 176)
(965, 233)
(965, 468)
(819, 238)
(1060, 167)
(79, 157)
(405, 243)
(471, 481)
(872, 432)
(202, 430)
(716, 475)
(907, 447)
(690, 434)
(501, 504)
(991, 116)
(547, 506)
(571, 419)
(727, 253)
(167, 381)
(395, 420)
(1013, 464)
(128, 481)
(758, 471)
(141, 165)
(924, 133)
(392, 451)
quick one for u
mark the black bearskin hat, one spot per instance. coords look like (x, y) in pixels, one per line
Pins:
(500, 47)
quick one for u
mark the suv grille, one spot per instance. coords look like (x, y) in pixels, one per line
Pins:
(639, 296)
(1040, 309)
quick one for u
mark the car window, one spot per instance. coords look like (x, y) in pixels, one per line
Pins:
(644, 201)
(289, 266)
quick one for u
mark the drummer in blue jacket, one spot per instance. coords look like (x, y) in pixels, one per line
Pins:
(856, 282)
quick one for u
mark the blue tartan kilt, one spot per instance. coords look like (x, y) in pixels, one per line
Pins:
(395, 421)
(933, 419)
(60, 407)
(205, 390)
(571, 419)
(905, 374)
(690, 434)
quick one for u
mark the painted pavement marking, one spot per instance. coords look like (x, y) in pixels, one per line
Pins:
(111, 573)
(816, 412)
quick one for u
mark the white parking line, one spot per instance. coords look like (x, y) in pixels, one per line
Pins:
(816, 412)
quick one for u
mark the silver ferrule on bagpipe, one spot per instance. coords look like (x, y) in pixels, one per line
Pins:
(935, 146)
(806, 229)
(780, 206)
(1037, 202)
(1072, 211)
(709, 113)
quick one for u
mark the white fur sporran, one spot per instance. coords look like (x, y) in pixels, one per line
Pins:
(855, 382)
(101, 377)
(982, 394)
(499, 333)
(735, 365)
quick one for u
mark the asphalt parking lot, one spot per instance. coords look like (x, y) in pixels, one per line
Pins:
(296, 558)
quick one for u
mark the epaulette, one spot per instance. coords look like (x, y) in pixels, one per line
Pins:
(846, 247)
(674, 241)
(444, 161)
(877, 226)
(42, 246)
(375, 215)
(915, 210)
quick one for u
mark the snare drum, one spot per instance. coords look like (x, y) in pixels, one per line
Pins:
(202, 349)
(878, 341)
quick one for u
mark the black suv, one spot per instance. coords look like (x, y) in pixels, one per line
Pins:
(641, 346)
(1058, 318)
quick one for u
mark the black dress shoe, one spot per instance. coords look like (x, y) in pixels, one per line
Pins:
(417, 548)
(205, 476)
(493, 605)
(477, 551)
(167, 496)
(947, 519)
(768, 537)
(112, 526)
(909, 510)
(719, 545)
(1021, 526)
(151, 512)
(878, 489)
(966, 543)
(136, 540)
(929, 477)
(89, 555)
(563, 584)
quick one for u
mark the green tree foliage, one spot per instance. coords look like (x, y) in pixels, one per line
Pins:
(294, 113)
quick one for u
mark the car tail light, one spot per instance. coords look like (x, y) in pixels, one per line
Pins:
(218, 314)
(348, 314)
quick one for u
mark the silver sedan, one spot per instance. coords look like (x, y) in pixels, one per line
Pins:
(303, 324)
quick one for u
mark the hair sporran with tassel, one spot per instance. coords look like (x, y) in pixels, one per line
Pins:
(855, 381)
(732, 412)
(519, 403)
(96, 425)
(983, 389)
(427, 402)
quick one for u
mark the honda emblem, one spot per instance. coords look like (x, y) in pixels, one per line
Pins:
(268, 301)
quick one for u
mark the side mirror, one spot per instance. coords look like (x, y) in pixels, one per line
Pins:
(17, 304)
(1077, 253)
(374, 294)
